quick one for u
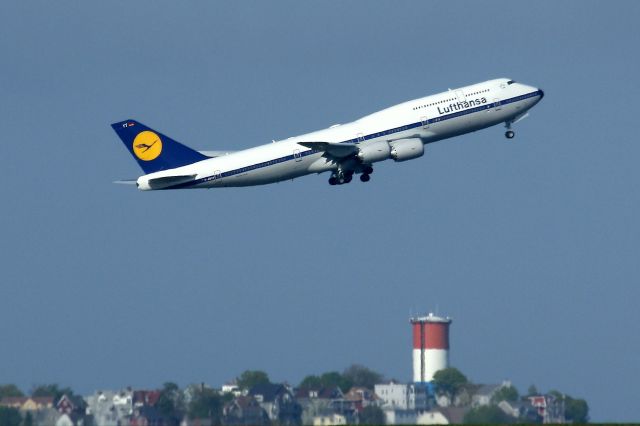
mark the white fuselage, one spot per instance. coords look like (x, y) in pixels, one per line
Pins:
(428, 119)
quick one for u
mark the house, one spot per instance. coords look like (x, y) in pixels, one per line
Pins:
(321, 393)
(484, 393)
(400, 416)
(278, 402)
(147, 416)
(462, 398)
(72, 419)
(40, 409)
(521, 410)
(244, 410)
(110, 408)
(361, 397)
(330, 420)
(550, 408)
(432, 417)
(442, 416)
(26, 403)
(145, 398)
(320, 404)
(232, 388)
(397, 396)
(69, 404)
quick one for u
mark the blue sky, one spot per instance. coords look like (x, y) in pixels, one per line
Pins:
(531, 245)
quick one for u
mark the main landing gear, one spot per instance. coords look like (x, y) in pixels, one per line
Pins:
(366, 174)
(341, 177)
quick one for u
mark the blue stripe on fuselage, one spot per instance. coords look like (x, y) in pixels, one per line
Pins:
(361, 139)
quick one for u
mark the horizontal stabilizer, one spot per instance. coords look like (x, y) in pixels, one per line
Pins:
(167, 181)
(338, 150)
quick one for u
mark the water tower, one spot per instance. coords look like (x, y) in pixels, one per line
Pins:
(430, 346)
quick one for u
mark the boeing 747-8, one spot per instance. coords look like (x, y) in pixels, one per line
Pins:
(398, 133)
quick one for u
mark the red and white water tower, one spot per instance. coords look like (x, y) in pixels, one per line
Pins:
(430, 346)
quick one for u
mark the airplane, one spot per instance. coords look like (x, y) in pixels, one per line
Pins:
(399, 133)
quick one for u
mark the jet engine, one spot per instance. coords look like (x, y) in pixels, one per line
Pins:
(377, 151)
(406, 149)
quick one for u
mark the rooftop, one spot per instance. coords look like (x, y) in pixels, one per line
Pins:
(430, 318)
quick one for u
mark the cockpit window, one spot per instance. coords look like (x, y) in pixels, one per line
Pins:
(511, 81)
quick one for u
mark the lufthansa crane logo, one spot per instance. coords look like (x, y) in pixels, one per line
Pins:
(147, 146)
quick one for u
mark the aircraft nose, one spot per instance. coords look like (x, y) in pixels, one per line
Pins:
(541, 93)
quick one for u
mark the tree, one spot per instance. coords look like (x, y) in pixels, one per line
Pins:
(251, 378)
(52, 390)
(487, 414)
(532, 391)
(326, 380)
(576, 410)
(449, 381)
(171, 403)
(372, 415)
(556, 394)
(206, 403)
(311, 382)
(333, 379)
(360, 375)
(505, 393)
(10, 416)
(10, 390)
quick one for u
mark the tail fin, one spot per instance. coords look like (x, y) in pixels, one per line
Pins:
(153, 150)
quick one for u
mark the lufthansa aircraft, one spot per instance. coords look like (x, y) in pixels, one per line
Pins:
(399, 133)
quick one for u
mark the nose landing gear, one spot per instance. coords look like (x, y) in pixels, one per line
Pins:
(509, 134)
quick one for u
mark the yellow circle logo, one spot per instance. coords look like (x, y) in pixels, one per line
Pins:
(147, 146)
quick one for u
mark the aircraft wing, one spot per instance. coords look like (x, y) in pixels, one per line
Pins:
(338, 150)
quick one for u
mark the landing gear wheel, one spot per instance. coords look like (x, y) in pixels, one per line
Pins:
(333, 181)
(348, 178)
(509, 134)
(367, 170)
(365, 177)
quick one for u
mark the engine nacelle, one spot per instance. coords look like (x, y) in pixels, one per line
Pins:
(378, 151)
(407, 149)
